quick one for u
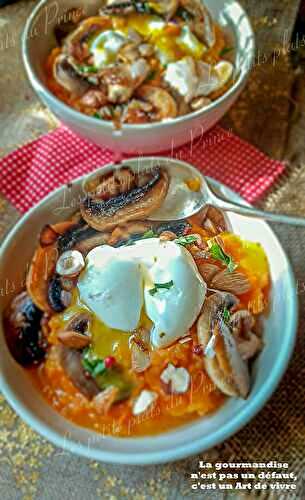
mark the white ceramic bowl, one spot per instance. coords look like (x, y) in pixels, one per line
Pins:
(279, 336)
(38, 40)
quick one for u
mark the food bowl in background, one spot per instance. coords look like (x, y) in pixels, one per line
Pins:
(38, 40)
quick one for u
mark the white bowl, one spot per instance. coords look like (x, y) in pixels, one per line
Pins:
(38, 39)
(269, 367)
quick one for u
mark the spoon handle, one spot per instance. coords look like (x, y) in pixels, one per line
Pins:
(262, 214)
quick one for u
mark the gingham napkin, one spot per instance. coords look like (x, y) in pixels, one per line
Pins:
(32, 171)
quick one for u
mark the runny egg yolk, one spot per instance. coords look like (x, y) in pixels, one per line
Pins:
(172, 42)
(106, 341)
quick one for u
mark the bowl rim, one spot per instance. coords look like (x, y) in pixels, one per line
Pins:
(193, 447)
(73, 114)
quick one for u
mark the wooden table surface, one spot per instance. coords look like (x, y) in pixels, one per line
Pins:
(270, 115)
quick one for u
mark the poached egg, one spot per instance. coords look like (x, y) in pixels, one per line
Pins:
(157, 277)
(169, 47)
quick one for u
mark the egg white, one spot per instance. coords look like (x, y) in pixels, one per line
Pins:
(118, 282)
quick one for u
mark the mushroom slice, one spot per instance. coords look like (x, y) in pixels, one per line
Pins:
(241, 322)
(66, 75)
(72, 339)
(166, 8)
(76, 44)
(212, 310)
(23, 330)
(140, 355)
(222, 359)
(233, 282)
(76, 334)
(207, 271)
(105, 399)
(71, 361)
(39, 275)
(122, 7)
(137, 198)
(70, 263)
(248, 343)
(58, 297)
(81, 237)
(213, 219)
(231, 364)
(164, 104)
(200, 21)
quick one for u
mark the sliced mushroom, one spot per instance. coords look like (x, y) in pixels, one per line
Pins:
(222, 359)
(129, 232)
(23, 330)
(249, 344)
(70, 264)
(241, 322)
(103, 211)
(71, 361)
(41, 270)
(56, 295)
(164, 104)
(48, 236)
(213, 220)
(66, 75)
(207, 271)
(233, 282)
(200, 21)
(199, 103)
(140, 355)
(94, 98)
(81, 237)
(72, 339)
(76, 334)
(105, 399)
(212, 309)
(122, 7)
(76, 44)
(166, 8)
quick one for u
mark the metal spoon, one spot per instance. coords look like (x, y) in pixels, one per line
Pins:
(182, 202)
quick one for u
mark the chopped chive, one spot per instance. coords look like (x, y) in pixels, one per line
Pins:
(186, 240)
(218, 253)
(225, 50)
(159, 286)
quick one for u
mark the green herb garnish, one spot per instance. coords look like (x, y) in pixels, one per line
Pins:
(149, 234)
(87, 69)
(96, 115)
(226, 316)
(159, 286)
(218, 253)
(186, 240)
(151, 75)
(225, 50)
(92, 363)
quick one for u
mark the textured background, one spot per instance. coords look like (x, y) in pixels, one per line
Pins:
(269, 114)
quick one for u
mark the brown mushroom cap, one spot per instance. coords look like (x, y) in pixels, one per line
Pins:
(106, 206)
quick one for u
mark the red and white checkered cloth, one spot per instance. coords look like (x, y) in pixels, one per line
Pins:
(31, 172)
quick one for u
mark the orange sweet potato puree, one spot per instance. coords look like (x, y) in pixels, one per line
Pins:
(170, 410)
